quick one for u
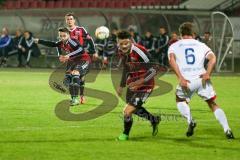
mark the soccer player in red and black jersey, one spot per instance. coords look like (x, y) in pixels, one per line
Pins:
(77, 61)
(80, 33)
(138, 75)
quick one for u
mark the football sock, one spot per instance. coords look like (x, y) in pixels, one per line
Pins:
(74, 86)
(82, 88)
(184, 109)
(142, 112)
(221, 117)
(128, 121)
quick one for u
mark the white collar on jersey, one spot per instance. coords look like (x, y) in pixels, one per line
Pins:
(73, 28)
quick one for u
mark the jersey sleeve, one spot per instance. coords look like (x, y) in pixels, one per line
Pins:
(77, 48)
(149, 64)
(89, 40)
(144, 55)
(51, 44)
(48, 43)
(206, 50)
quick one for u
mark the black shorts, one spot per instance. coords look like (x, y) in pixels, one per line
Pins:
(82, 67)
(136, 99)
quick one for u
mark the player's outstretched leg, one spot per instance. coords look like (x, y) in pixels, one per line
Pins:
(184, 109)
(128, 121)
(221, 117)
(155, 120)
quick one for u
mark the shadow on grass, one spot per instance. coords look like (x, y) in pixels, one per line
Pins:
(109, 102)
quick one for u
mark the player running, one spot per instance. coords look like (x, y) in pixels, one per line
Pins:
(138, 74)
(187, 57)
(77, 61)
(85, 40)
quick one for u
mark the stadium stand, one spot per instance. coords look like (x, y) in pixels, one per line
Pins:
(24, 4)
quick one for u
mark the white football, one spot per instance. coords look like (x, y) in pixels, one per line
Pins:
(102, 32)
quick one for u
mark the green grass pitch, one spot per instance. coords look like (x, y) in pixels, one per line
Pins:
(30, 130)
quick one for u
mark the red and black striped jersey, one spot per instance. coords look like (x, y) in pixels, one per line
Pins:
(81, 34)
(138, 64)
(72, 47)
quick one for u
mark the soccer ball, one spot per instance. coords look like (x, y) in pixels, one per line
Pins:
(102, 32)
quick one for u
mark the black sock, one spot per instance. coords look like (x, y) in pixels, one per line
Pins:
(82, 88)
(74, 86)
(142, 112)
(73, 89)
(128, 121)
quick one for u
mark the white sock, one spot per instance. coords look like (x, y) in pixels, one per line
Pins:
(221, 117)
(184, 109)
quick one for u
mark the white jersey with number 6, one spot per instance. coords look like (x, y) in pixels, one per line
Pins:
(190, 55)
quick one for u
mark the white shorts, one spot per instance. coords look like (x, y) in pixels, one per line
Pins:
(196, 85)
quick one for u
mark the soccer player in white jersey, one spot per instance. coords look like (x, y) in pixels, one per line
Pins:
(186, 58)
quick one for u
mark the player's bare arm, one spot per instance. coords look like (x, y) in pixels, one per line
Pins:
(210, 67)
(183, 82)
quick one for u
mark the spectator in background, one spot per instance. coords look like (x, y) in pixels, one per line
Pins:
(5, 46)
(208, 40)
(106, 48)
(162, 46)
(27, 48)
(148, 41)
(135, 36)
(16, 40)
(114, 32)
(196, 36)
(173, 39)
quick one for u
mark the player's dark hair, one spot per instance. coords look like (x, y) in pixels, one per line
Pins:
(186, 29)
(64, 29)
(30, 33)
(70, 14)
(208, 33)
(174, 32)
(123, 35)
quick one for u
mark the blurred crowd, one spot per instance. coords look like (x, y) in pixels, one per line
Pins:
(156, 44)
(22, 45)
